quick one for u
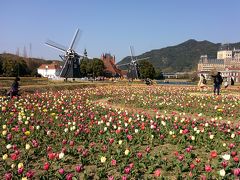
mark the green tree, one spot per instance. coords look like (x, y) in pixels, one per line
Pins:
(159, 75)
(97, 67)
(83, 67)
(14, 67)
(146, 70)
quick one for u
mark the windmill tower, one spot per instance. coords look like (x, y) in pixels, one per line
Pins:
(133, 67)
(71, 67)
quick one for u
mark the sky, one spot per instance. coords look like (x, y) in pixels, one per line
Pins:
(111, 26)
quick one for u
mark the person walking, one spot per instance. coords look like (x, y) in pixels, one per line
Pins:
(14, 88)
(202, 82)
(217, 83)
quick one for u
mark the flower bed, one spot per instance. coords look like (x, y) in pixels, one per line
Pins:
(71, 134)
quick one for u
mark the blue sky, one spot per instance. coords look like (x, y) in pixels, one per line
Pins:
(112, 26)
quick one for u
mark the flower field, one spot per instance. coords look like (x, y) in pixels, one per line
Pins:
(121, 132)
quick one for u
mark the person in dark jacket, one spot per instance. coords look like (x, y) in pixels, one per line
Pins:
(217, 83)
(232, 81)
(14, 88)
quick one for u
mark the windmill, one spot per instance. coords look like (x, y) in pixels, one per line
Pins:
(71, 67)
(133, 67)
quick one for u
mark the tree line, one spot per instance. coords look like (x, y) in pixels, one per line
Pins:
(12, 65)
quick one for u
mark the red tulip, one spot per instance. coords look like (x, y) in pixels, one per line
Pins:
(208, 168)
(213, 154)
(14, 156)
(224, 164)
(236, 159)
(46, 166)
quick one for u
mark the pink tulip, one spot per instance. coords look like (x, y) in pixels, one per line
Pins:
(127, 170)
(110, 177)
(79, 168)
(30, 174)
(139, 155)
(208, 168)
(69, 176)
(20, 170)
(157, 173)
(8, 176)
(236, 172)
(113, 162)
(61, 171)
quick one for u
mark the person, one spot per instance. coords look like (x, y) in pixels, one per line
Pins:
(14, 90)
(217, 83)
(202, 82)
(226, 83)
(232, 81)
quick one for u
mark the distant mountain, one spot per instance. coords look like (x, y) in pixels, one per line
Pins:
(182, 57)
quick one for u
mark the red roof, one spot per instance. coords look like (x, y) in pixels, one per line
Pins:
(110, 66)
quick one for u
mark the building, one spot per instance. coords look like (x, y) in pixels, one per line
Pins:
(49, 70)
(227, 62)
(232, 72)
(111, 69)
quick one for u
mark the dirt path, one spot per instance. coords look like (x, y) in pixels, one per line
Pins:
(150, 112)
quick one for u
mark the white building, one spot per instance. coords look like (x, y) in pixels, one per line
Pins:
(49, 70)
(227, 62)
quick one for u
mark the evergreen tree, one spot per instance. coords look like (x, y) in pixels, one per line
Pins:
(97, 67)
(146, 70)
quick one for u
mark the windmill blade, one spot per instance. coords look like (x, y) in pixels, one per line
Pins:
(62, 57)
(56, 45)
(61, 75)
(132, 53)
(75, 39)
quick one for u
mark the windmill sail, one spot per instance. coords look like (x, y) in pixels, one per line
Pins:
(71, 68)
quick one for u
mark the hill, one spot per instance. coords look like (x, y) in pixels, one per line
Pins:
(182, 57)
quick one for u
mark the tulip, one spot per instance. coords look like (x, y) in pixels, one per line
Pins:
(127, 170)
(79, 168)
(5, 156)
(30, 174)
(61, 155)
(8, 176)
(113, 162)
(208, 168)
(69, 176)
(20, 170)
(236, 172)
(222, 172)
(103, 159)
(46, 166)
(213, 154)
(157, 173)
(61, 171)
